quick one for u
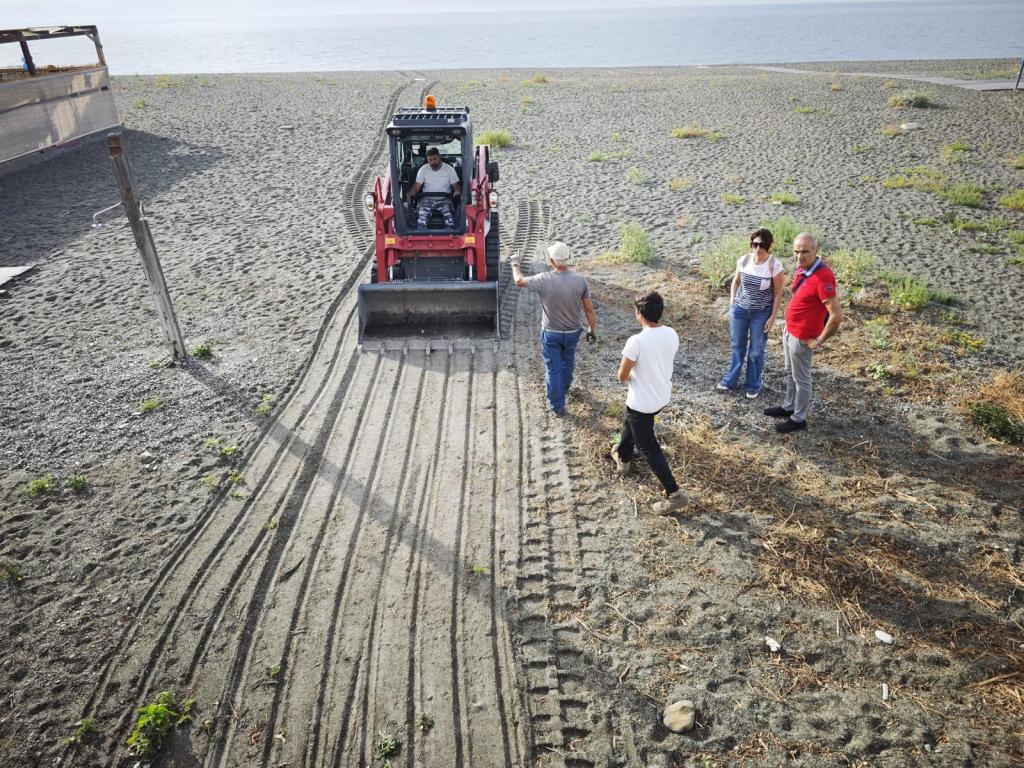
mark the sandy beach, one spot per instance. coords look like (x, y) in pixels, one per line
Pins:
(199, 552)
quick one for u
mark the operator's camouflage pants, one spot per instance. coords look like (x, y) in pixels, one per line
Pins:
(428, 205)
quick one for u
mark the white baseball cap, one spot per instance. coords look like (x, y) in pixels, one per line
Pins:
(559, 253)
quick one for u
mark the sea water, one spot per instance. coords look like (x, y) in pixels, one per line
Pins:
(686, 35)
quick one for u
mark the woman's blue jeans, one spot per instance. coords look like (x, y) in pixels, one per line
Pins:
(746, 330)
(559, 352)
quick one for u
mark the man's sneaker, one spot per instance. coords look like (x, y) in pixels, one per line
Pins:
(721, 388)
(753, 393)
(671, 503)
(621, 467)
(778, 412)
(559, 413)
(790, 426)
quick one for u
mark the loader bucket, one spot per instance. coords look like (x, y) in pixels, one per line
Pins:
(417, 312)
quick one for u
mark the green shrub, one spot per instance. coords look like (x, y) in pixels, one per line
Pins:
(968, 195)
(997, 422)
(852, 266)
(926, 221)
(986, 248)
(992, 225)
(915, 99)
(77, 483)
(718, 265)
(678, 185)
(155, 721)
(498, 138)
(635, 244)
(803, 110)
(689, 132)
(202, 351)
(634, 175)
(891, 131)
(1015, 235)
(598, 157)
(731, 199)
(149, 404)
(1017, 161)
(954, 151)
(908, 292)
(784, 231)
(785, 198)
(41, 486)
(1014, 200)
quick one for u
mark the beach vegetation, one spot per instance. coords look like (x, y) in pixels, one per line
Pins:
(911, 293)
(616, 136)
(211, 481)
(985, 248)
(149, 404)
(634, 176)
(265, 404)
(694, 131)
(155, 721)
(1014, 200)
(859, 149)
(803, 109)
(1015, 235)
(1016, 260)
(77, 484)
(202, 351)
(718, 264)
(138, 104)
(679, 185)
(524, 102)
(784, 230)
(852, 266)
(785, 197)
(635, 244)
(954, 151)
(615, 88)
(731, 199)
(926, 221)
(878, 332)
(919, 177)
(495, 138)
(914, 99)
(41, 486)
(891, 131)
(1017, 161)
(890, 84)
(10, 574)
(425, 722)
(966, 194)
(599, 157)
(835, 87)
(992, 225)
(539, 78)
(236, 477)
(963, 340)
(84, 729)
(996, 420)
(385, 745)
(878, 371)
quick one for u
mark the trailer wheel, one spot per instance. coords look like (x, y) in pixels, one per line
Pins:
(493, 247)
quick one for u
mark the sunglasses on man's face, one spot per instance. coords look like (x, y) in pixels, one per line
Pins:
(756, 244)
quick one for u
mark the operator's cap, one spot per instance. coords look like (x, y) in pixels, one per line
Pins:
(559, 253)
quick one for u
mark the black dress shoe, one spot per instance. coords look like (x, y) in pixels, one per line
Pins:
(778, 412)
(790, 426)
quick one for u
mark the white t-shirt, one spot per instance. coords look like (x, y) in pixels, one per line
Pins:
(756, 290)
(440, 180)
(650, 382)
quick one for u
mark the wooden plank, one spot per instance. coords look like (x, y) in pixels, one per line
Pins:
(9, 273)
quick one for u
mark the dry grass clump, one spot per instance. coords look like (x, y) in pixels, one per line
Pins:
(998, 409)
(1014, 200)
(915, 99)
(695, 132)
(495, 138)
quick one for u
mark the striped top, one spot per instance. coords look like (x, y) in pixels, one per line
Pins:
(756, 289)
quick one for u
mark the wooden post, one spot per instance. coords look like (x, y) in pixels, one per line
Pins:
(1019, 73)
(95, 37)
(27, 55)
(147, 249)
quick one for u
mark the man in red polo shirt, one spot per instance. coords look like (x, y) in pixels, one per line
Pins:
(812, 316)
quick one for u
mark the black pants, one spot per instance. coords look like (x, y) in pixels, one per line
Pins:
(638, 433)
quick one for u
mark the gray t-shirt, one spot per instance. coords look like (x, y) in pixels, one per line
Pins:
(440, 180)
(560, 296)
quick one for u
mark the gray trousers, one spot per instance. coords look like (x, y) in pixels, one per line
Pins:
(797, 360)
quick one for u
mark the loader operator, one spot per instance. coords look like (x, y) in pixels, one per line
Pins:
(440, 184)
(562, 293)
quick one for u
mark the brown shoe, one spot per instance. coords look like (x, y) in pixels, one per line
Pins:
(621, 467)
(671, 503)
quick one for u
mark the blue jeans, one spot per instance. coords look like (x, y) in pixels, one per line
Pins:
(746, 331)
(559, 351)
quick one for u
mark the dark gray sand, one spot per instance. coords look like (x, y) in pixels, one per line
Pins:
(553, 618)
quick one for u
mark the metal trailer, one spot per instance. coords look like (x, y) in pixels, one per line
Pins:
(44, 107)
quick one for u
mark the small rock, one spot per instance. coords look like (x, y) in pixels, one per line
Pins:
(885, 692)
(146, 456)
(883, 637)
(909, 126)
(286, 127)
(773, 644)
(678, 717)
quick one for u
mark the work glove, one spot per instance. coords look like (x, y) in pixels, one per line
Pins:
(591, 337)
(514, 259)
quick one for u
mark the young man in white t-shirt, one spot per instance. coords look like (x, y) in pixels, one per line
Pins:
(647, 367)
(436, 177)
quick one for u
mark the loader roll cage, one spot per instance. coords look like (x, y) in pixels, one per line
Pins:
(411, 133)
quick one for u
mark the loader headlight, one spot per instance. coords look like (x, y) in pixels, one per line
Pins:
(368, 200)
(492, 200)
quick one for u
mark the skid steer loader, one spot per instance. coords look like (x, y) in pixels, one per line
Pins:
(432, 285)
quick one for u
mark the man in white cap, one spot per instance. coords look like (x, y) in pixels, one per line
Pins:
(562, 292)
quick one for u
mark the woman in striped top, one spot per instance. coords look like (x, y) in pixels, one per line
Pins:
(754, 299)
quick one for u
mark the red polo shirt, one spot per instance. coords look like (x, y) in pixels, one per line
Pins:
(806, 313)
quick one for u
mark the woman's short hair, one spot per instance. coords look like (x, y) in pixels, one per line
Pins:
(650, 305)
(766, 237)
